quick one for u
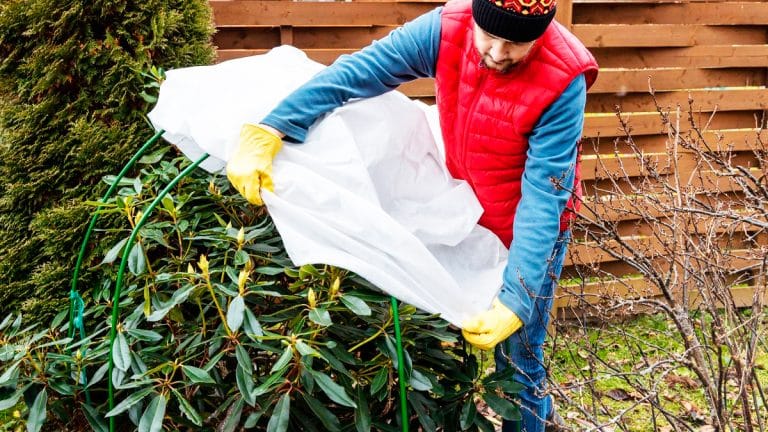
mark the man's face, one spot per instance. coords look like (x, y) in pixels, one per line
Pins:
(499, 54)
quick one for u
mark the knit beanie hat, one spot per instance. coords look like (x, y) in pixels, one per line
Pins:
(514, 20)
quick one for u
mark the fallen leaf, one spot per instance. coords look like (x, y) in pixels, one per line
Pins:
(620, 394)
(684, 381)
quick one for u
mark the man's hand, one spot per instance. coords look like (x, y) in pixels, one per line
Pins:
(250, 167)
(488, 328)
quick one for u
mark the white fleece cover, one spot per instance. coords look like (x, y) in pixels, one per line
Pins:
(368, 191)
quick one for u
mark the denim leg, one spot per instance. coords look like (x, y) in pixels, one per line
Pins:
(523, 350)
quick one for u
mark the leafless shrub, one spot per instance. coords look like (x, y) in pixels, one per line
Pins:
(681, 234)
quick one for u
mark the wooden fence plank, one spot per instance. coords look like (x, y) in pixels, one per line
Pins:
(705, 180)
(303, 37)
(617, 165)
(344, 37)
(246, 38)
(616, 268)
(608, 145)
(665, 35)
(650, 124)
(603, 166)
(423, 87)
(724, 13)
(624, 81)
(568, 303)
(710, 180)
(704, 100)
(589, 253)
(324, 56)
(705, 56)
(613, 207)
(721, 228)
(738, 140)
(228, 13)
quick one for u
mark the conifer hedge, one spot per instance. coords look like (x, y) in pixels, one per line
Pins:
(71, 111)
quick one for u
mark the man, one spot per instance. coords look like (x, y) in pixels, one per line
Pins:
(511, 89)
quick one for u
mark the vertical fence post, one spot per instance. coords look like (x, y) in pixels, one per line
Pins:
(564, 14)
(286, 35)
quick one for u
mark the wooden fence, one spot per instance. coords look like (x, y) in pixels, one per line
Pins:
(715, 53)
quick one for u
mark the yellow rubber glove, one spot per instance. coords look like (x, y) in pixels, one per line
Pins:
(250, 167)
(488, 328)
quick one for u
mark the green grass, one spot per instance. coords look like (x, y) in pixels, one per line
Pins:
(603, 368)
(10, 423)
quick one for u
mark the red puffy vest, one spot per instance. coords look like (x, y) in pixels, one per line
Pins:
(486, 116)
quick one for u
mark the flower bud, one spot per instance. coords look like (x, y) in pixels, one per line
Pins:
(334, 288)
(212, 189)
(311, 299)
(241, 280)
(203, 264)
(240, 237)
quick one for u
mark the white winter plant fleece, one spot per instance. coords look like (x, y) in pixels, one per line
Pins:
(368, 191)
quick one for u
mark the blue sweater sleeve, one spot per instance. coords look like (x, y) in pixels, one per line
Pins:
(407, 53)
(551, 157)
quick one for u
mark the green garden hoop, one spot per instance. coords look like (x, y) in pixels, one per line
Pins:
(76, 303)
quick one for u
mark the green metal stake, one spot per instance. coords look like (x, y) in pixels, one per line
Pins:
(76, 304)
(400, 366)
(121, 271)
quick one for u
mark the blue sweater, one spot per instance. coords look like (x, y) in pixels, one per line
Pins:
(410, 52)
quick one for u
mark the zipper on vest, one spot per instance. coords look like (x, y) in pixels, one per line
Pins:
(477, 94)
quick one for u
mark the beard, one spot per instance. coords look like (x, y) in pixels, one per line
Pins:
(503, 67)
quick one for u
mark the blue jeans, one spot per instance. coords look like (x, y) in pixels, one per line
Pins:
(523, 350)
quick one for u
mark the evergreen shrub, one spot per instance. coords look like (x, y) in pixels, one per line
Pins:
(219, 331)
(71, 111)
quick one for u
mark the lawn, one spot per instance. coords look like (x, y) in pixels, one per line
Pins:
(612, 374)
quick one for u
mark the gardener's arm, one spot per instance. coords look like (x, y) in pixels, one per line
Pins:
(407, 53)
(551, 155)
